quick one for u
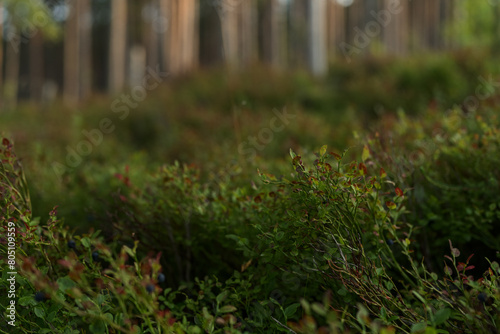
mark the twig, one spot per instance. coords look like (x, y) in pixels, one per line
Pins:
(284, 326)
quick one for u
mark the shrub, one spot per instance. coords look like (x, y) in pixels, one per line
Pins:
(450, 164)
(327, 250)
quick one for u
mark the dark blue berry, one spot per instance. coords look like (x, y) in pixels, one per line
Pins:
(161, 278)
(72, 244)
(95, 256)
(40, 296)
(390, 242)
(482, 297)
(150, 288)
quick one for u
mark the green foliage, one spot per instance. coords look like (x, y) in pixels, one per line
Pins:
(381, 86)
(185, 218)
(450, 162)
(328, 251)
(25, 17)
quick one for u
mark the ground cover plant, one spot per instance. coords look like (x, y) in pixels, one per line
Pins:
(329, 253)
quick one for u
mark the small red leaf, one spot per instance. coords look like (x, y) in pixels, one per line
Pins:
(336, 156)
(383, 174)
(470, 268)
(468, 259)
(390, 205)
(64, 263)
(5, 142)
(362, 169)
(399, 192)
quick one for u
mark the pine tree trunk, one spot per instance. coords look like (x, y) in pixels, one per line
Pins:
(155, 27)
(36, 66)
(396, 29)
(318, 59)
(118, 46)
(11, 84)
(85, 41)
(71, 90)
(229, 30)
(1, 56)
(336, 27)
(298, 33)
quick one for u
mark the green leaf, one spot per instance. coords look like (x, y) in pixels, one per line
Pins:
(129, 251)
(65, 283)
(39, 312)
(109, 316)
(120, 319)
(441, 316)
(418, 327)
(97, 327)
(27, 300)
(322, 151)
(86, 242)
(51, 316)
(419, 296)
(306, 306)
(383, 313)
(292, 154)
(318, 308)
(362, 315)
(366, 153)
(34, 222)
(280, 235)
(221, 297)
(290, 310)
(227, 309)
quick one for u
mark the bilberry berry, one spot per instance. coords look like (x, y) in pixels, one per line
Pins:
(40, 296)
(161, 278)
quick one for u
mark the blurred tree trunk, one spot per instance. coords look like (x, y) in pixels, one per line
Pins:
(336, 27)
(416, 18)
(496, 28)
(318, 59)
(118, 46)
(85, 40)
(248, 31)
(180, 42)
(355, 19)
(433, 24)
(211, 43)
(11, 84)
(77, 52)
(189, 38)
(36, 60)
(272, 33)
(229, 27)
(1, 54)
(298, 13)
(396, 30)
(156, 25)
(71, 56)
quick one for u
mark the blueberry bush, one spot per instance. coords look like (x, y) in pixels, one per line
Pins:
(329, 247)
